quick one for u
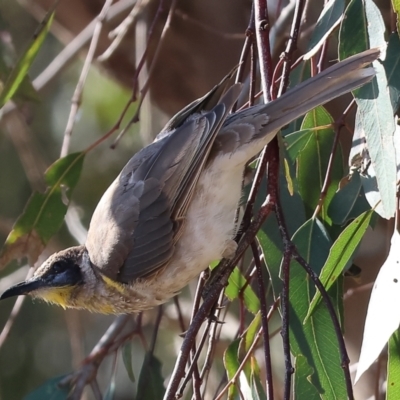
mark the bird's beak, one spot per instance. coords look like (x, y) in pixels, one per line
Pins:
(25, 287)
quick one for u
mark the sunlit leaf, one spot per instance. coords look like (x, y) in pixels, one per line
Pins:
(329, 19)
(311, 148)
(237, 284)
(303, 388)
(44, 213)
(396, 8)
(316, 339)
(19, 72)
(393, 375)
(362, 28)
(383, 316)
(341, 254)
(232, 363)
(246, 342)
(251, 332)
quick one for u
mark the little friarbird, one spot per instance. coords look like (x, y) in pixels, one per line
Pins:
(171, 211)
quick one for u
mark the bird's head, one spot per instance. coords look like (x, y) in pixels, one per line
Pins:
(56, 280)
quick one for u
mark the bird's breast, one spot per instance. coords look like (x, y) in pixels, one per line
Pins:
(208, 229)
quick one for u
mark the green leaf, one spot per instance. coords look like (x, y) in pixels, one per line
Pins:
(311, 148)
(328, 20)
(349, 202)
(297, 142)
(232, 364)
(257, 389)
(50, 390)
(353, 34)
(362, 28)
(392, 69)
(315, 340)
(44, 213)
(26, 91)
(396, 8)
(151, 381)
(19, 72)
(127, 359)
(251, 333)
(269, 237)
(341, 254)
(376, 118)
(303, 388)
(393, 376)
(236, 283)
(247, 340)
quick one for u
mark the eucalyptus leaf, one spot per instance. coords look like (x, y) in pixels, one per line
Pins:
(231, 363)
(328, 20)
(19, 72)
(151, 381)
(44, 213)
(340, 255)
(237, 284)
(303, 388)
(127, 359)
(315, 340)
(392, 68)
(393, 375)
(50, 390)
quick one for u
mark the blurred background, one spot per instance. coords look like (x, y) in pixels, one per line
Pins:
(202, 44)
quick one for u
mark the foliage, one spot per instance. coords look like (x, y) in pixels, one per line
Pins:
(327, 197)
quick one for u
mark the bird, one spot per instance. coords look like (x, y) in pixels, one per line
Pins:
(172, 209)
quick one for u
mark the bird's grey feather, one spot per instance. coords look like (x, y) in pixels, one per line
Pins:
(154, 189)
(143, 212)
(259, 121)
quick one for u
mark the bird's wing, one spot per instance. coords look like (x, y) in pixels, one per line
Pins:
(135, 226)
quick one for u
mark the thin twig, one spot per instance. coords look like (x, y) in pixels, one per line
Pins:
(291, 46)
(88, 371)
(245, 52)
(146, 86)
(193, 369)
(156, 328)
(120, 31)
(247, 356)
(71, 50)
(264, 50)
(264, 321)
(179, 312)
(150, 37)
(214, 336)
(76, 98)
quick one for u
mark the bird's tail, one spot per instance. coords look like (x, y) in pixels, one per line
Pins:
(336, 80)
(246, 132)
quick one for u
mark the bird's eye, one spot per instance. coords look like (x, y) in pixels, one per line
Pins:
(58, 267)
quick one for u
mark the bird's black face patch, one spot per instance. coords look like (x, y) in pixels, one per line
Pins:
(63, 273)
